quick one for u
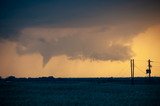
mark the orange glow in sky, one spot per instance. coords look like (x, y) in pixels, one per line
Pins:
(79, 38)
(145, 46)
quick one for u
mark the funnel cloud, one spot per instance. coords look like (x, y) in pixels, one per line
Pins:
(93, 43)
(82, 29)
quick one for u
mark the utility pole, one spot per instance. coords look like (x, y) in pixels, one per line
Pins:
(132, 71)
(149, 67)
(131, 68)
(148, 71)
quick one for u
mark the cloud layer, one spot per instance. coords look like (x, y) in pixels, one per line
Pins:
(94, 43)
(98, 30)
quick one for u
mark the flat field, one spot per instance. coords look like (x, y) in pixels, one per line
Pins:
(66, 93)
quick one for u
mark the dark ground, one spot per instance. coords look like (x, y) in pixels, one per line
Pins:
(88, 91)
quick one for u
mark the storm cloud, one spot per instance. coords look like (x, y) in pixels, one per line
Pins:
(94, 43)
(82, 29)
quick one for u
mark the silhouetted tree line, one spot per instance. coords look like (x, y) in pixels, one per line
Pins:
(13, 78)
(138, 80)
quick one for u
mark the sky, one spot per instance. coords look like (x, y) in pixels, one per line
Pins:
(79, 38)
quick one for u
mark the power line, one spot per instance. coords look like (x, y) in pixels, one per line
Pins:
(146, 60)
(140, 69)
(123, 70)
(140, 60)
